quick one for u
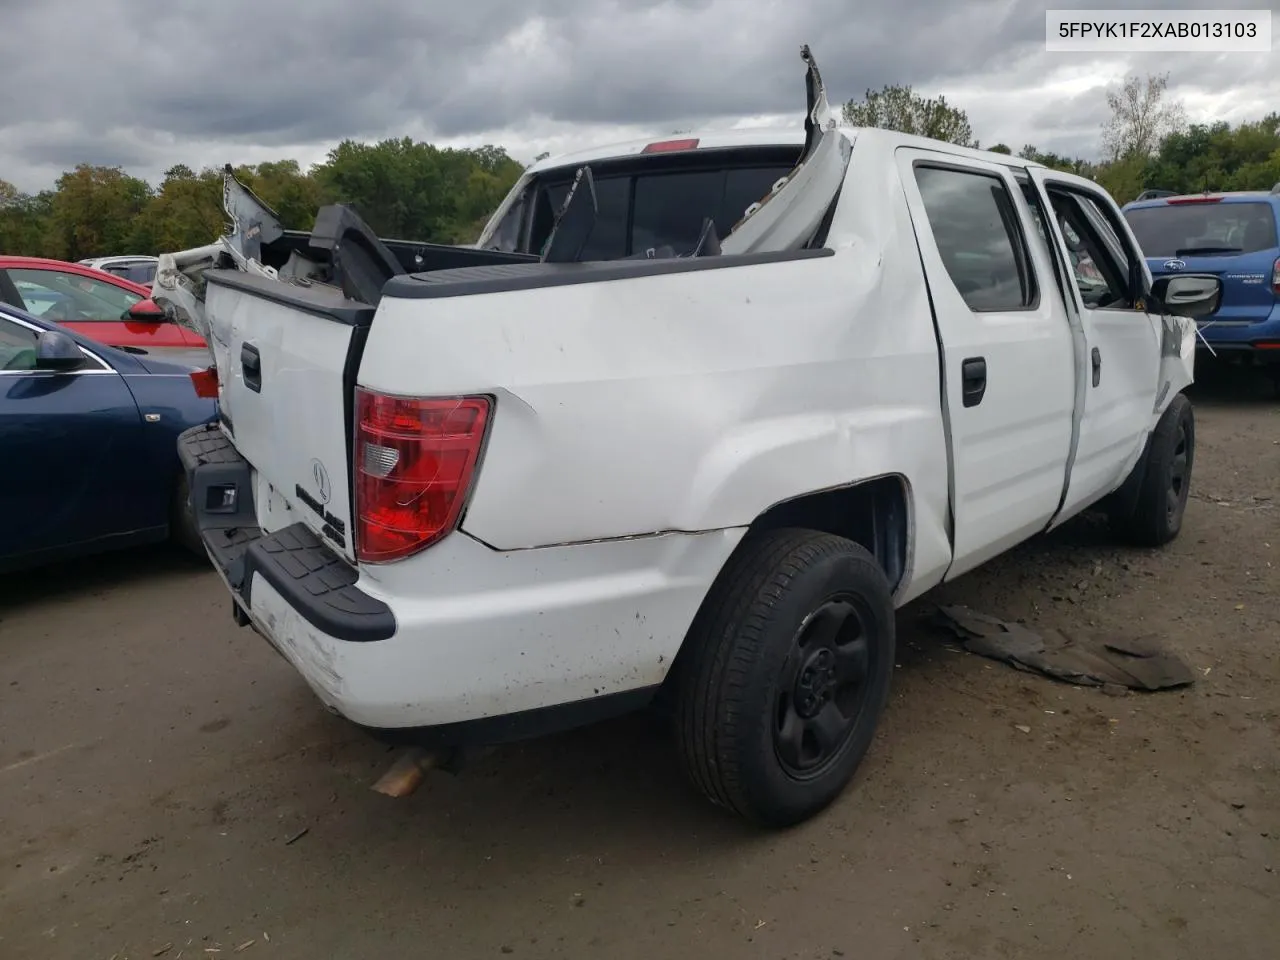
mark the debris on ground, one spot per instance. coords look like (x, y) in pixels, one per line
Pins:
(1138, 663)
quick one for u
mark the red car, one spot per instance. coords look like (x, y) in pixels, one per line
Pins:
(101, 306)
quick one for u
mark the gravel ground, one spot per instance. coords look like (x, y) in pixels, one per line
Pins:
(169, 787)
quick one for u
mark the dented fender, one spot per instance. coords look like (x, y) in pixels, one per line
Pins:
(1177, 362)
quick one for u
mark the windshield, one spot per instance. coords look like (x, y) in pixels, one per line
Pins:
(1204, 229)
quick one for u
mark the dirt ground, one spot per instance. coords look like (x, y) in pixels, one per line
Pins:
(169, 787)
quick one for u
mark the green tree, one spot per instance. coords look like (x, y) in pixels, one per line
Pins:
(282, 185)
(900, 108)
(187, 209)
(1219, 157)
(97, 211)
(1125, 179)
(1000, 148)
(1058, 161)
(417, 191)
(23, 220)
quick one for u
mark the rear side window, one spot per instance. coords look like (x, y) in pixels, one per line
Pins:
(1204, 229)
(975, 226)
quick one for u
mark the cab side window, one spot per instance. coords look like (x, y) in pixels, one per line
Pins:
(1098, 259)
(979, 236)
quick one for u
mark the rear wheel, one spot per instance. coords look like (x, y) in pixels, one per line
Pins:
(785, 675)
(1156, 515)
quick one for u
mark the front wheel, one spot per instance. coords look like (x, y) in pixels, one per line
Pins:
(785, 675)
(1155, 517)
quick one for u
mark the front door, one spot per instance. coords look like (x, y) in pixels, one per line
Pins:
(72, 443)
(1123, 341)
(1008, 356)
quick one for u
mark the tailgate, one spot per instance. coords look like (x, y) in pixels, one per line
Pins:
(286, 390)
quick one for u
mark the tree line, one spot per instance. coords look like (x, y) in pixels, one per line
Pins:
(402, 188)
(411, 190)
(1146, 139)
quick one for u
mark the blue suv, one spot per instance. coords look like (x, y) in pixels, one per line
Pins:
(1232, 236)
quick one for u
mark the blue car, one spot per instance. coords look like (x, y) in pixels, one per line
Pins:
(88, 436)
(1232, 236)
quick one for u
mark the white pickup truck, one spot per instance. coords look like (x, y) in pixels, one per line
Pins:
(476, 494)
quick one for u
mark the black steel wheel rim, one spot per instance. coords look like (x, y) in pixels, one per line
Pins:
(823, 686)
(1179, 468)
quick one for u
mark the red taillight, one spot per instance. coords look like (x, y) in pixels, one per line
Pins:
(1194, 200)
(414, 460)
(1267, 345)
(206, 382)
(665, 146)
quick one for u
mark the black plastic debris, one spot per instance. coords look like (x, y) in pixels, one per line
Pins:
(1139, 663)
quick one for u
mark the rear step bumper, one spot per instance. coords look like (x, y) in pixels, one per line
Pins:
(317, 583)
(460, 643)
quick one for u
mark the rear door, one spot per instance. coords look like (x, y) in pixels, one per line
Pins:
(1122, 339)
(1009, 365)
(1227, 237)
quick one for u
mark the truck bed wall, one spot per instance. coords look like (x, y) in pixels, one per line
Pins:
(647, 396)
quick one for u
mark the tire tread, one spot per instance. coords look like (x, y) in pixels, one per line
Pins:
(727, 640)
(1147, 525)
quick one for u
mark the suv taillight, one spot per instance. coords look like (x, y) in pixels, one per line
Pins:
(1275, 278)
(414, 461)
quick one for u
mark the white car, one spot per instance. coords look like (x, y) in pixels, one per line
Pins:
(486, 501)
(139, 269)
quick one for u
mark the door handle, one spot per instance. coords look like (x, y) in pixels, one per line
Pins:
(1097, 367)
(973, 380)
(251, 367)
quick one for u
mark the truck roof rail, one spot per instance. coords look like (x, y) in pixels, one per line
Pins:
(1157, 194)
(1276, 188)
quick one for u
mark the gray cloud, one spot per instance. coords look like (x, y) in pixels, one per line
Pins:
(248, 76)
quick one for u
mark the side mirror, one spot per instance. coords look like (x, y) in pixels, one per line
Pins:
(145, 311)
(1189, 295)
(56, 351)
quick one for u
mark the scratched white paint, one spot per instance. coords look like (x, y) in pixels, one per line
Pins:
(642, 424)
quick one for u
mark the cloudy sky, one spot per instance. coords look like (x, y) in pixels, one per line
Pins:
(144, 84)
